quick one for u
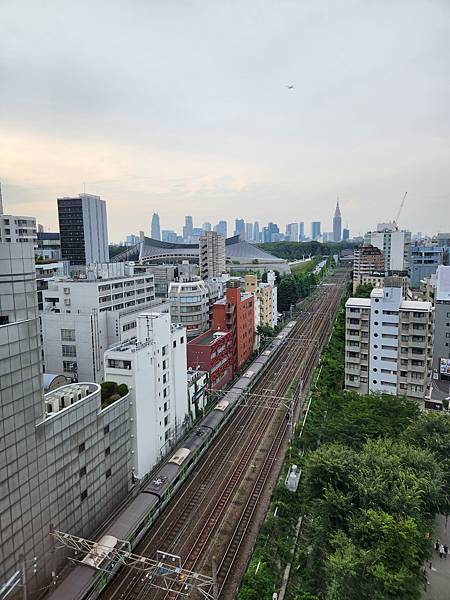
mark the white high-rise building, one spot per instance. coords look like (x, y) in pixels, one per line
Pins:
(83, 318)
(154, 367)
(388, 343)
(212, 255)
(395, 245)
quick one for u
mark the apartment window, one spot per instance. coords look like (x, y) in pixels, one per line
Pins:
(108, 451)
(69, 366)
(108, 473)
(83, 495)
(166, 420)
(129, 326)
(81, 448)
(165, 407)
(69, 350)
(181, 340)
(164, 364)
(174, 343)
(68, 335)
(106, 429)
(165, 392)
(164, 350)
(82, 471)
(447, 335)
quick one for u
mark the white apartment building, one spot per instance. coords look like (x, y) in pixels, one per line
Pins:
(154, 368)
(388, 343)
(82, 318)
(266, 294)
(14, 228)
(395, 245)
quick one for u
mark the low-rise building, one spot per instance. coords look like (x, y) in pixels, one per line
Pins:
(424, 262)
(197, 392)
(82, 318)
(17, 229)
(213, 352)
(235, 313)
(388, 343)
(367, 259)
(266, 295)
(189, 305)
(48, 245)
(441, 342)
(153, 366)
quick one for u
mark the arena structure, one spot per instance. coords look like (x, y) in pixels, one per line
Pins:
(240, 255)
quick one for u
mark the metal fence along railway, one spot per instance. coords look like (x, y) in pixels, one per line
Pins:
(240, 461)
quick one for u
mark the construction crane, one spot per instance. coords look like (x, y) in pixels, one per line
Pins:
(400, 210)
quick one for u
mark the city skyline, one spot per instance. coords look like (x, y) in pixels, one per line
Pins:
(214, 126)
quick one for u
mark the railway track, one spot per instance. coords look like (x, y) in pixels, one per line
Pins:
(197, 513)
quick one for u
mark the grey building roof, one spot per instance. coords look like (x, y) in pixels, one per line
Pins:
(235, 250)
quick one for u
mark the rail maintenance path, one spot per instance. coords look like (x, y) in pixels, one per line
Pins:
(438, 587)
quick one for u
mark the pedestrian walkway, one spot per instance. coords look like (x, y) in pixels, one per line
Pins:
(438, 587)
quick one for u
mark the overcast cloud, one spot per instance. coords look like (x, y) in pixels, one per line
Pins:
(181, 106)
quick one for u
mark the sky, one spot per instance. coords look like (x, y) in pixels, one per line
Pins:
(182, 107)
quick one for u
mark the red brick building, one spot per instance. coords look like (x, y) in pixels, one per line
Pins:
(235, 313)
(212, 351)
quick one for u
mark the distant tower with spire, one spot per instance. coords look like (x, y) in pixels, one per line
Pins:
(156, 229)
(337, 223)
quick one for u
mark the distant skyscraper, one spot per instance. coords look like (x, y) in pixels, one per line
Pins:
(271, 232)
(221, 228)
(256, 232)
(249, 232)
(206, 226)
(239, 228)
(337, 224)
(83, 229)
(188, 227)
(168, 235)
(301, 231)
(315, 230)
(345, 234)
(292, 232)
(156, 229)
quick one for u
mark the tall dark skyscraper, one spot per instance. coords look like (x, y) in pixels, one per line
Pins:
(83, 229)
(337, 224)
(156, 228)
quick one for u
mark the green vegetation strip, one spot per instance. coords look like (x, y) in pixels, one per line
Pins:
(375, 470)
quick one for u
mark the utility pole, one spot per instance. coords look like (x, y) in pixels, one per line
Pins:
(214, 578)
(24, 576)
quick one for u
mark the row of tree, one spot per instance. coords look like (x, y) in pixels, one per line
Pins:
(376, 471)
(295, 286)
(296, 250)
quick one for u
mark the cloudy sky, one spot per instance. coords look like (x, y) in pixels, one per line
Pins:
(181, 106)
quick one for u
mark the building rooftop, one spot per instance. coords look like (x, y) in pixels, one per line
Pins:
(207, 338)
(358, 302)
(415, 305)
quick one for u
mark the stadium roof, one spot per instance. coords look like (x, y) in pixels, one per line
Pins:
(236, 250)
